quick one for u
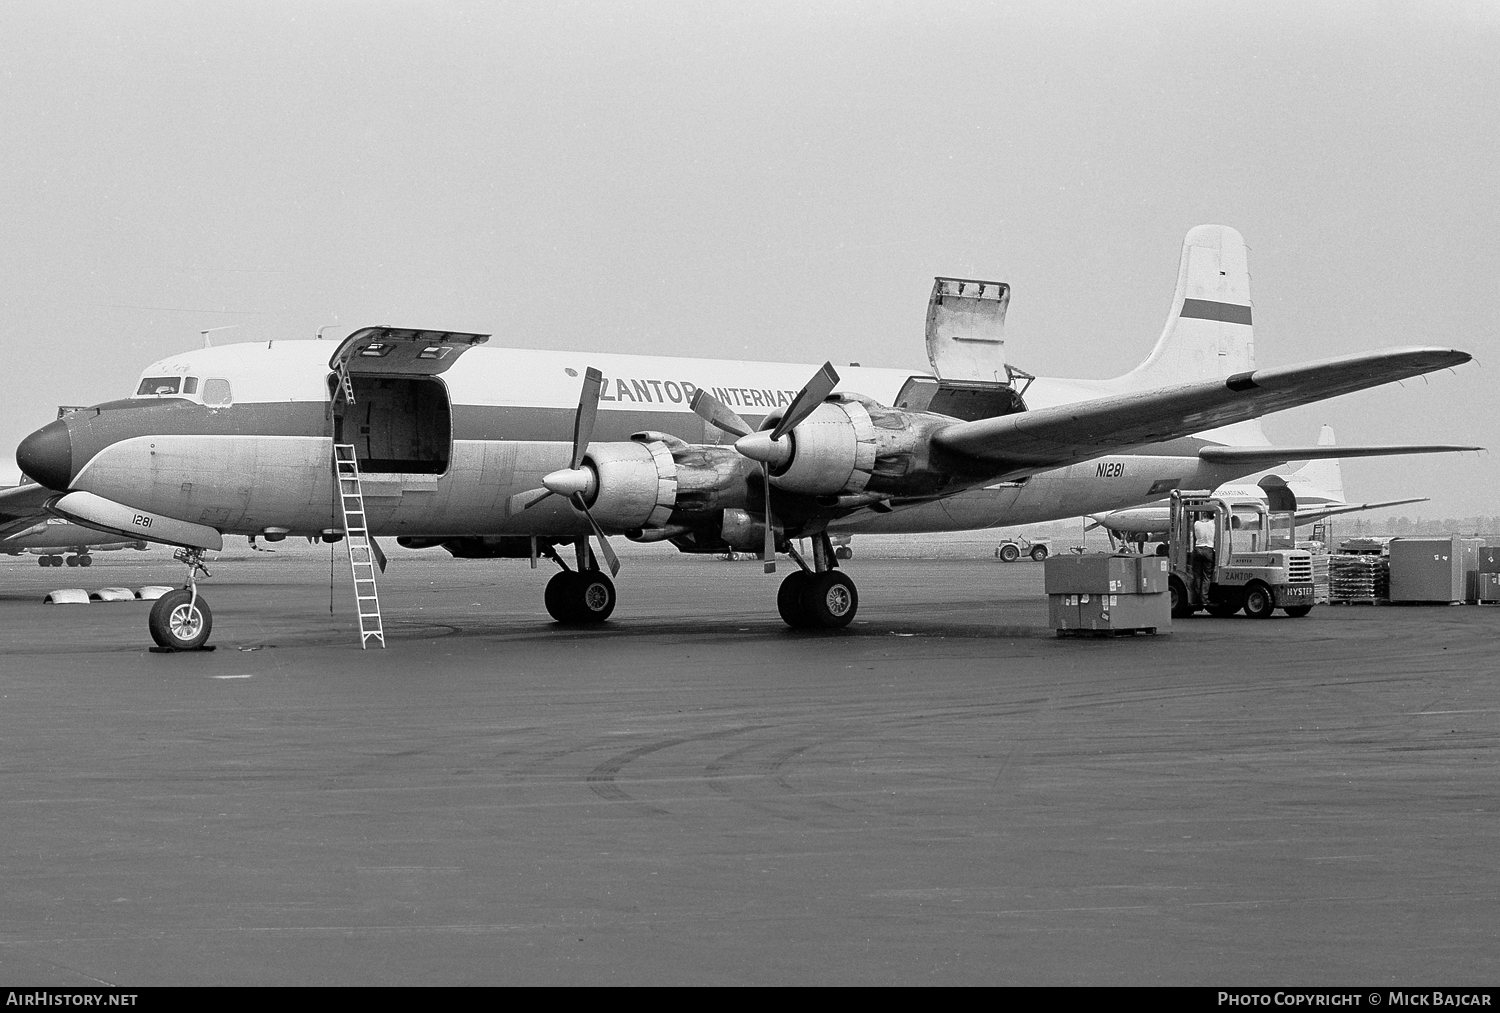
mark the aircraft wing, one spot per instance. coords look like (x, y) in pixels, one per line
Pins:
(1053, 437)
(21, 507)
(1280, 455)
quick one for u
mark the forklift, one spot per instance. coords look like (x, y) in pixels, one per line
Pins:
(1257, 566)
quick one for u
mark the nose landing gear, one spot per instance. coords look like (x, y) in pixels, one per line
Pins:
(180, 620)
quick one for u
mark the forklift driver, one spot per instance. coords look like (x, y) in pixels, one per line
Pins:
(1203, 554)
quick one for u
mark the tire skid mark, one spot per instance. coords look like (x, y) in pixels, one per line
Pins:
(601, 780)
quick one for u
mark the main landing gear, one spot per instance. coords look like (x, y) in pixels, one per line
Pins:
(180, 620)
(82, 559)
(818, 598)
(580, 597)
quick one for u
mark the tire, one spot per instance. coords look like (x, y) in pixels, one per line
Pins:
(85, 560)
(593, 597)
(559, 597)
(1297, 611)
(579, 599)
(177, 625)
(789, 600)
(1179, 597)
(72, 560)
(830, 600)
(843, 552)
(1009, 553)
(1039, 553)
(1260, 603)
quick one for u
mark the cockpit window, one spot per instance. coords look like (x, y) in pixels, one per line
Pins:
(159, 385)
(190, 385)
(216, 392)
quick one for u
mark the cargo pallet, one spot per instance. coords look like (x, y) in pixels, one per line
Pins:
(1358, 601)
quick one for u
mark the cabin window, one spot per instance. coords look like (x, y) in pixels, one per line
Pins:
(158, 385)
(216, 392)
(190, 385)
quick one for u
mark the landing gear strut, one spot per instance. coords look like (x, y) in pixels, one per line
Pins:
(180, 620)
(821, 597)
(579, 597)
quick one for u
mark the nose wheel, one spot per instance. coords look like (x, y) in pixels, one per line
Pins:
(180, 621)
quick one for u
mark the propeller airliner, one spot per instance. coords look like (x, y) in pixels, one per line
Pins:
(493, 452)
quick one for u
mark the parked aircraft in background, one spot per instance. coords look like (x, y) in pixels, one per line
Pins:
(468, 447)
(1318, 486)
(51, 539)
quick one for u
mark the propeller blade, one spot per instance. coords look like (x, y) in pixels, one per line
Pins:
(532, 502)
(769, 553)
(588, 410)
(715, 412)
(604, 549)
(808, 398)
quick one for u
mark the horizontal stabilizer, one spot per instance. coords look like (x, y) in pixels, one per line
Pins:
(1279, 455)
(1051, 437)
(1309, 514)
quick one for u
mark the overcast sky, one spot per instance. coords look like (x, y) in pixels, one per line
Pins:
(769, 181)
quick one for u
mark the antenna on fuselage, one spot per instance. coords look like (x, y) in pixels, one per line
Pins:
(319, 335)
(207, 341)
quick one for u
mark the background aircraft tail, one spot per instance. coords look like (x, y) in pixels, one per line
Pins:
(1208, 332)
(1325, 475)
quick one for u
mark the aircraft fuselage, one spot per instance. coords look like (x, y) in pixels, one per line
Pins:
(444, 455)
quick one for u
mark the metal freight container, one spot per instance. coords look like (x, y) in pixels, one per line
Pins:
(1427, 570)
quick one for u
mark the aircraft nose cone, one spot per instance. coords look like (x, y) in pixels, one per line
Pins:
(47, 455)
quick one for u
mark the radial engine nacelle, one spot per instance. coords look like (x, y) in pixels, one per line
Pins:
(653, 480)
(848, 445)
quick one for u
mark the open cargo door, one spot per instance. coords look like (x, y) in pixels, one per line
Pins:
(966, 329)
(388, 401)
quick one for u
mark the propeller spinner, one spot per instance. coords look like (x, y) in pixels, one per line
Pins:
(769, 447)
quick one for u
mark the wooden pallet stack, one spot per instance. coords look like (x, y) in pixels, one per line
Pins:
(1358, 578)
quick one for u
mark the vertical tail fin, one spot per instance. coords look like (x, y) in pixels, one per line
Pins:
(1208, 333)
(1325, 476)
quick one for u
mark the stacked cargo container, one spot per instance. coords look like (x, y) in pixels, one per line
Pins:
(1487, 574)
(1101, 594)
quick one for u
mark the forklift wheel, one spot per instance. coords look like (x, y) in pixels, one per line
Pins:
(1260, 603)
(1298, 611)
(1180, 607)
